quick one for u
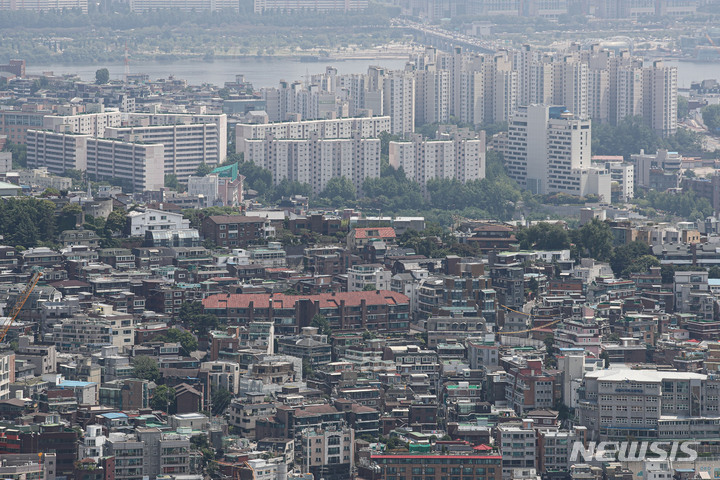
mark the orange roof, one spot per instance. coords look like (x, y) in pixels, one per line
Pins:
(380, 232)
(280, 301)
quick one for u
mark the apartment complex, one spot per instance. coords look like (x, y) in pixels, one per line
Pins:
(140, 6)
(592, 82)
(140, 165)
(85, 123)
(57, 152)
(310, 5)
(185, 146)
(548, 151)
(422, 160)
(140, 154)
(44, 5)
(367, 127)
(315, 160)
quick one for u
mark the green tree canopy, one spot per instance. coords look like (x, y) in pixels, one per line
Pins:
(594, 239)
(339, 188)
(116, 221)
(220, 398)
(711, 118)
(186, 339)
(27, 221)
(634, 257)
(163, 398)
(102, 76)
(193, 317)
(171, 181)
(146, 368)
(544, 236)
(322, 324)
(203, 170)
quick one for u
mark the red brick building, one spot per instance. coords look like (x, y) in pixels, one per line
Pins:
(375, 310)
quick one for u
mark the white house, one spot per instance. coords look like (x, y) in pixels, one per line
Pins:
(150, 219)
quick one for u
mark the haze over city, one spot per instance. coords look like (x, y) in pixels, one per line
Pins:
(359, 240)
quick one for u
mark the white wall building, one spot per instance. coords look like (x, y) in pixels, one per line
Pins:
(548, 151)
(150, 219)
(424, 160)
(86, 123)
(361, 276)
(57, 152)
(139, 164)
(315, 161)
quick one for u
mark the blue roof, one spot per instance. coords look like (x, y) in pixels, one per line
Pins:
(74, 383)
(113, 416)
(714, 281)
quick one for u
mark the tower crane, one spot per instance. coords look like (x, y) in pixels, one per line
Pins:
(19, 303)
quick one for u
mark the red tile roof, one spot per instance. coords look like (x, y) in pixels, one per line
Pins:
(279, 300)
(382, 232)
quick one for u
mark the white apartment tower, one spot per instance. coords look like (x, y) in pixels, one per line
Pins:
(548, 151)
(432, 95)
(316, 160)
(399, 101)
(424, 160)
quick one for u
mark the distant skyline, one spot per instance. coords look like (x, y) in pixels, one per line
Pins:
(256, 70)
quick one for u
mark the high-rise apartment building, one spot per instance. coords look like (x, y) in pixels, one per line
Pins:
(57, 152)
(86, 123)
(316, 160)
(399, 101)
(432, 95)
(367, 127)
(140, 165)
(423, 160)
(548, 151)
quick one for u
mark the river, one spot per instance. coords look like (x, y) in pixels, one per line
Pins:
(268, 71)
(260, 71)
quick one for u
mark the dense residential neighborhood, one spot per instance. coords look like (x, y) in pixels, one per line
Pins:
(485, 266)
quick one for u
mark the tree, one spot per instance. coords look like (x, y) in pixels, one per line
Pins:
(192, 316)
(186, 339)
(163, 398)
(146, 368)
(102, 76)
(630, 258)
(714, 272)
(321, 323)
(544, 236)
(629, 136)
(171, 181)
(69, 217)
(595, 239)
(369, 287)
(339, 188)
(116, 222)
(711, 118)
(203, 170)
(683, 107)
(50, 192)
(27, 221)
(220, 399)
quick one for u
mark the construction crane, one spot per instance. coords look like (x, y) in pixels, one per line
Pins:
(19, 303)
